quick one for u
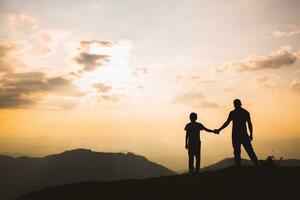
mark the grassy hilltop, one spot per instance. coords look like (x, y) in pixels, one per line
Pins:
(245, 182)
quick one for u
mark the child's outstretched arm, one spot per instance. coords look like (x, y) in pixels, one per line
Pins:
(208, 130)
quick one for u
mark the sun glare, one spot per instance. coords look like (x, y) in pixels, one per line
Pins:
(115, 73)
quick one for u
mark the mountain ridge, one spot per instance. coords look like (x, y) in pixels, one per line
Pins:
(24, 174)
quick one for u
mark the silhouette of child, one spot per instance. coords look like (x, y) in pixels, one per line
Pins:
(192, 141)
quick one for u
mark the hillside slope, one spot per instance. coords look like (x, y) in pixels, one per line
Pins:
(230, 183)
(24, 174)
(228, 162)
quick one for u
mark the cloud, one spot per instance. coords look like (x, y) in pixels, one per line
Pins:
(295, 87)
(6, 47)
(270, 81)
(29, 24)
(26, 24)
(140, 87)
(228, 89)
(8, 60)
(91, 61)
(280, 34)
(196, 99)
(18, 90)
(278, 59)
(139, 71)
(86, 44)
(208, 104)
(209, 81)
(61, 103)
(90, 57)
(22, 89)
(188, 97)
(192, 79)
(187, 77)
(104, 92)
(113, 98)
(101, 87)
(262, 79)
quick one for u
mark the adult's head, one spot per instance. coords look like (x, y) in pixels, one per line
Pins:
(237, 103)
(193, 117)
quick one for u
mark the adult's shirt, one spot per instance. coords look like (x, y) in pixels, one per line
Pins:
(239, 118)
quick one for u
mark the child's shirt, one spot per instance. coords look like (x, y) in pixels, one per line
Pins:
(193, 131)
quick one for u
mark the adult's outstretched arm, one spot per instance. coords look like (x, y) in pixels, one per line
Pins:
(226, 123)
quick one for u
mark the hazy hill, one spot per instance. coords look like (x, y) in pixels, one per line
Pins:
(242, 183)
(24, 174)
(227, 162)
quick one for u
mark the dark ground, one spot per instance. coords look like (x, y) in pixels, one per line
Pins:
(241, 183)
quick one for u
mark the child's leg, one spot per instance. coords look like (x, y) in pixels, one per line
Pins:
(198, 157)
(191, 158)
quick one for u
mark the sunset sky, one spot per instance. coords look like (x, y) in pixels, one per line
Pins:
(118, 76)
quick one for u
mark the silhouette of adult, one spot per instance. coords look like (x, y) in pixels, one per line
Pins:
(239, 117)
(192, 141)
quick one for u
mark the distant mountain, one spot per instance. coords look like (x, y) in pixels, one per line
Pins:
(24, 174)
(246, 182)
(227, 162)
(17, 154)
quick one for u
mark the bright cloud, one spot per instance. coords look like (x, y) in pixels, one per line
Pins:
(280, 34)
(277, 59)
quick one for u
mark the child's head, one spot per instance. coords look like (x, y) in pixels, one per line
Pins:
(193, 117)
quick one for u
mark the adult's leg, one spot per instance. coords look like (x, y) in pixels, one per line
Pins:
(249, 149)
(236, 144)
(198, 157)
(191, 158)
